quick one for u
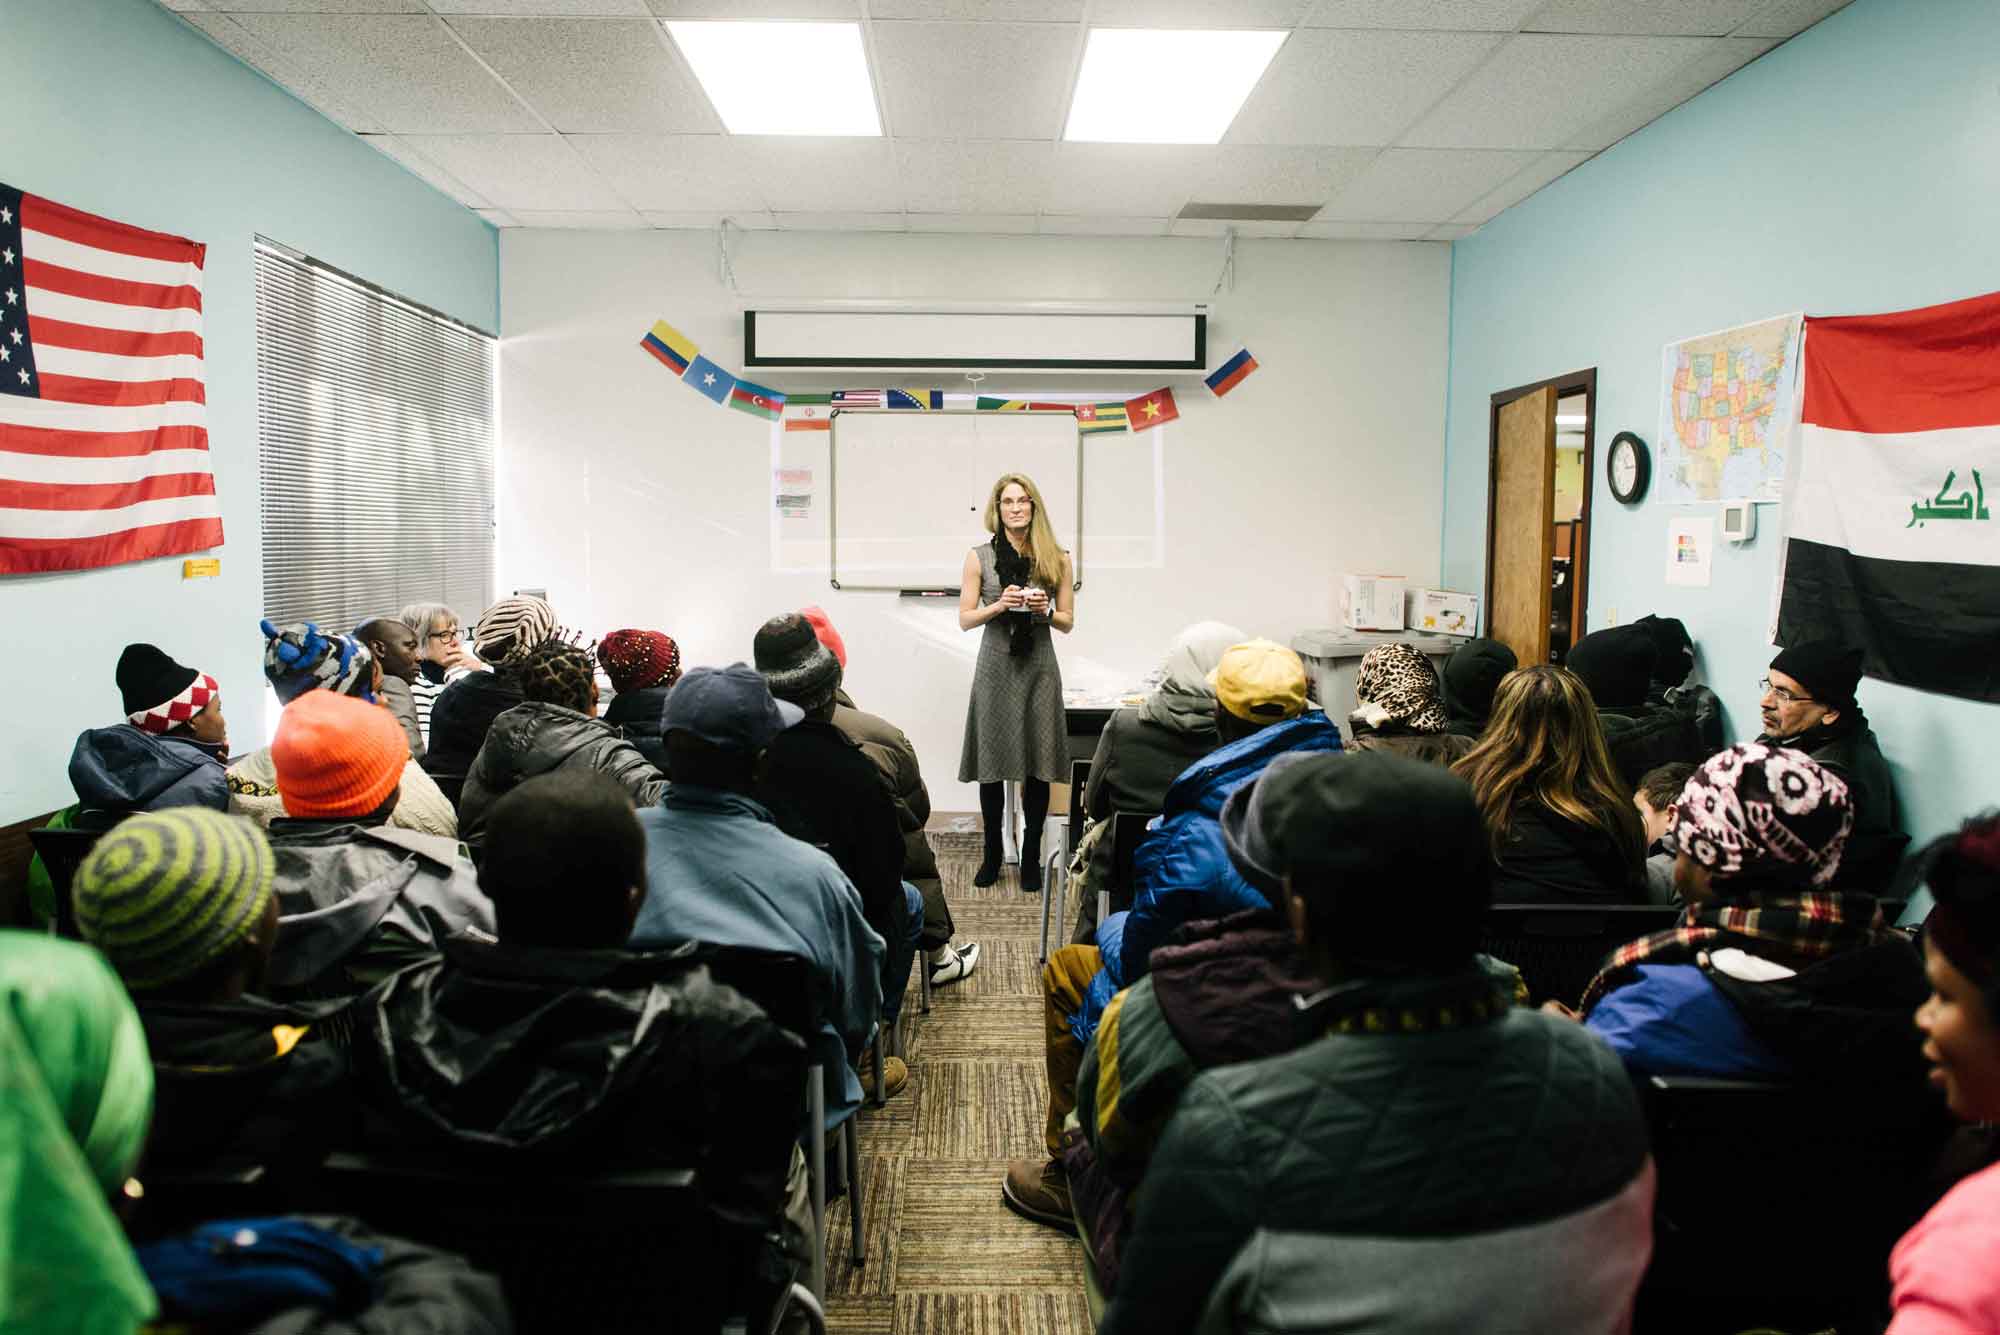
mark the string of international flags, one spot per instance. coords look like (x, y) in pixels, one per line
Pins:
(813, 412)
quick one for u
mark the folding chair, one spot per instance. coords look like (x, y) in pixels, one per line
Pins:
(1558, 947)
(62, 852)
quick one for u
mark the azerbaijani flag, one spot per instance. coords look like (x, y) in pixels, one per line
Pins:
(674, 349)
(924, 399)
(1890, 538)
(1151, 410)
(710, 379)
(768, 404)
(1231, 373)
(1095, 419)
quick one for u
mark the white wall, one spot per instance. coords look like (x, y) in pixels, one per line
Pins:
(637, 502)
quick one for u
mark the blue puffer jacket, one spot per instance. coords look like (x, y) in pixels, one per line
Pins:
(1181, 868)
(123, 769)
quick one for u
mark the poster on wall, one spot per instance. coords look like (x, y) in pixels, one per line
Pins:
(1690, 551)
(1727, 402)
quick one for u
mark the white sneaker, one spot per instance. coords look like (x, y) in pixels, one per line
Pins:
(960, 962)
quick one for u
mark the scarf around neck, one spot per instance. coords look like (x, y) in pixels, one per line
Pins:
(1015, 568)
(1184, 701)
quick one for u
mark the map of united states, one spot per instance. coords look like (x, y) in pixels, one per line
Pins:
(1726, 412)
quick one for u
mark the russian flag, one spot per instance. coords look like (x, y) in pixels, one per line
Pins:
(674, 349)
(1230, 374)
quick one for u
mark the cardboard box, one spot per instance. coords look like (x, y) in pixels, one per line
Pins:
(1371, 602)
(1442, 612)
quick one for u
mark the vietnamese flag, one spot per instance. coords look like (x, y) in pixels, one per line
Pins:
(1153, 409)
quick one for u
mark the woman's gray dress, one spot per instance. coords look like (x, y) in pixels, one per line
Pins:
(1014, 723)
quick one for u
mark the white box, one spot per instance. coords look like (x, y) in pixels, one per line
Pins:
(1442, 612)
(1371, 602)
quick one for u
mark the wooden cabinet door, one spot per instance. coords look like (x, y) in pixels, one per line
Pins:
(1521, 543)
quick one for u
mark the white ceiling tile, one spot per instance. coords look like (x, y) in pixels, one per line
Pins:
(990, 224)
(1365, 231)
(295, 76)
(618, 220)
(1256, 174)
(1519, 186)
(1331, 86)
(1685, 18)
(840, 222)
(756, 9)
(974, 80)
(405, 69)
(316, 6)
(992, 11)
(674, 172)
(1061, 224)
(823, 175)
(1782, 18)
(1131, 180)
(1409, 184)
(1540, 89)
(498, 217)
(519, 171)
(1197, 13)
(1216, 227)
(1457, 15)
(424, 169)
(980, 176)
(540, 8)
(1452, 232)
(1724, 56)
(593, 76)
(704, 220)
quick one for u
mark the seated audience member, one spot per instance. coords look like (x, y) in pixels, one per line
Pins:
(1400, 707)
(892, 754)
(1673, 654)
(1654, 800)
(1809, 705)
(643, 666)
(1183, 873)
(554, 728)
(1641, 730)
(822, 789)
(394, 645)
(1559, 823)
(510, 630)
(1436, 1158)
(300, 658)
(1771, 972)
(169, 751)
(1945, 1280)
(1471, 675)
(719, 870)
(181, 903)
(441, 656)
(357, 897)
(632, 1058)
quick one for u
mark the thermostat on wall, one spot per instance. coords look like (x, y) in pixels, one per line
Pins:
(1739, 521)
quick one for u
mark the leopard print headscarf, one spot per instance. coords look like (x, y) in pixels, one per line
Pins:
(1397, 684)
(557, 672)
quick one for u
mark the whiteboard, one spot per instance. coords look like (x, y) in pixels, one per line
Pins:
(908, 489)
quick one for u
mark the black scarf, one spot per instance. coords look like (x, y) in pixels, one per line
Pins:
(1015, 568)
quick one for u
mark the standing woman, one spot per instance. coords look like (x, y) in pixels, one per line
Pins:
(1017, 587)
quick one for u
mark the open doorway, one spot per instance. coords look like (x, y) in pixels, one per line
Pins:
(1538, 515)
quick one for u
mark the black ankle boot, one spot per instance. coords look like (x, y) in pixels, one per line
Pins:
(989, 866)
(1031, 871)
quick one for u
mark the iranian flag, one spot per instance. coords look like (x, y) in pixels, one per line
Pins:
(1891, 540)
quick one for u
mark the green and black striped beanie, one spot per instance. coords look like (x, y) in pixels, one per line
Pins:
(164, 893)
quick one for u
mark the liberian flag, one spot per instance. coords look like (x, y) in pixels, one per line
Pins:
(859, 398)
(1890, 537)
(674, 349)
(103, 416)
(1231, 373)
(756, 400)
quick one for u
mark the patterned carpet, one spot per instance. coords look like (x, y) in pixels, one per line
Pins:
(945, 1257)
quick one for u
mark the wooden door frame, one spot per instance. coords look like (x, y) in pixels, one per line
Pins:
(1579, 562)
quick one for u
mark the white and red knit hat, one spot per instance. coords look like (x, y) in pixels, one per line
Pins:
(160, 694)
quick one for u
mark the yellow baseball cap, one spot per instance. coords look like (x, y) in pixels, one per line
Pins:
(1260, 681)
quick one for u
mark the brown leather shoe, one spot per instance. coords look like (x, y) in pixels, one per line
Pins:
(1038, 1189)
(899, 1075)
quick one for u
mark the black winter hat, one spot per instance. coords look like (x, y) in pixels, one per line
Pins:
(1828, 668)
(1616, 664)
(148, 678)
(795, 665)
(1472, 674)
(1673, 648)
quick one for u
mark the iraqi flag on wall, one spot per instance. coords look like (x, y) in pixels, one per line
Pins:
(1891, 535)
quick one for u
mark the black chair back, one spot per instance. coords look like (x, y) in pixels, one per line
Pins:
(1127, 829)
(1558, 947)
(1079, 779)
(62, 852)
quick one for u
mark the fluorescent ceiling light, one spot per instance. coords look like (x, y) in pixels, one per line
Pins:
(1571, 419)
(783, 78)
(1151, 86)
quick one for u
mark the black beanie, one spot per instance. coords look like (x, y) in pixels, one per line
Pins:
(1616, 664)
(795, 665)
(148, 678)
(1472, 674)
(1673, 649)
(1829, 669)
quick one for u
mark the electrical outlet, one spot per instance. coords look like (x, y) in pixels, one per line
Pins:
(1610, 616)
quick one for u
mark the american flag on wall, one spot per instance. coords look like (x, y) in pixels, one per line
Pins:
(103, 416)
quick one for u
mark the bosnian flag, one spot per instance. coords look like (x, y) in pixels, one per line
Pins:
(756, 400)
(926, 399)
(674, 349)
(1231, 373)
(103, 401)
(1892, 505)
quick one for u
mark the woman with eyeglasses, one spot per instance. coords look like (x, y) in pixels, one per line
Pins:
(441, 656)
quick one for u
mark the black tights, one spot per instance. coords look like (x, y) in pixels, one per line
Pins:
(993, 818)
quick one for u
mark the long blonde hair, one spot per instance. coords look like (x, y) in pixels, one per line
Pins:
(1543, 744)
(1042, 550)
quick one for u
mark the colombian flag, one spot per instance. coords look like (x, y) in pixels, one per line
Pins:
(1230, 374)
(745, 397)
(674, 349)
(1150, 410)
(1094, 419)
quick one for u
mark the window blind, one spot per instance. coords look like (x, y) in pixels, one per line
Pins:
(376, 431)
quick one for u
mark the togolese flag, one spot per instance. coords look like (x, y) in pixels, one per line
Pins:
(1094, 419)
(1890, 537)
(674, 349)
(1150, 410)
(756, 400)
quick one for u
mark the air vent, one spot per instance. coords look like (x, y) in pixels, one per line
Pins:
(1277, 213)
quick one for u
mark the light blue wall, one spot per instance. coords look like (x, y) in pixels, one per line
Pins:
(1854, 169)
(116, 107)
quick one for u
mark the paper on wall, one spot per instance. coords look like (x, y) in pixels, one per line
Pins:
(1690, 551)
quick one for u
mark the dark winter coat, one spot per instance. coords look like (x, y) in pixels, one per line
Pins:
(537, 738)
(124, 769)
(824, 790)
(1547, 859)
(1432, 748)
(1849, 748)
(1470, 677)
(461, 716)
(1643, 737)
(641, 716)
(1138, 757)
(890, 750)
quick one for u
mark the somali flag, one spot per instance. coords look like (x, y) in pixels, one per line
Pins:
(674, 349)
(710, 379)
(756, 400)
(1231, 373)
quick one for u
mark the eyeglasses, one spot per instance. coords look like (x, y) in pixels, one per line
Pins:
(448, 636)
(1785, 697)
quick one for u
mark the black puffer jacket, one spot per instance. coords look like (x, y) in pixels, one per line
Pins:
(461, 716)
(538, 738)
(603, 1056)
(641, 716)
(1848, 748)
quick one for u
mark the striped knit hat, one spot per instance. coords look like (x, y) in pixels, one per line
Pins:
(511, 627)
(336, 756)
(166, 892)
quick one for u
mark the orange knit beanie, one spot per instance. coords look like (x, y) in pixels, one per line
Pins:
(336, 755)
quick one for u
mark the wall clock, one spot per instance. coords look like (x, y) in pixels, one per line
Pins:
(1629, 466)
